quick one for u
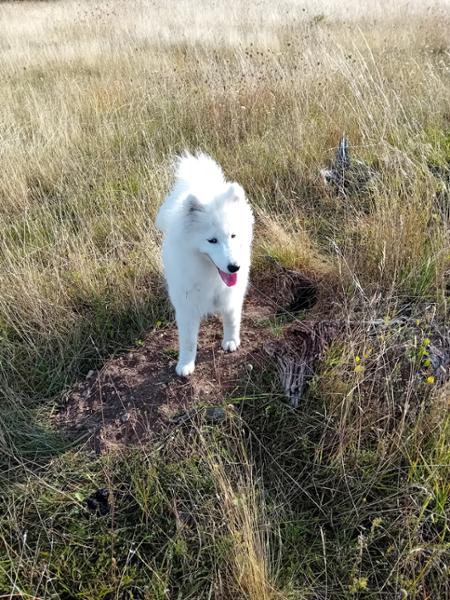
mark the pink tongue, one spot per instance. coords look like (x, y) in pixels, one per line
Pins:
(228, 278)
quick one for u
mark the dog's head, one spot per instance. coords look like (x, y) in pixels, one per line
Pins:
(222, 230)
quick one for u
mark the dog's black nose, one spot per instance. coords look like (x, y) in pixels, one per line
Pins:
(233, 268)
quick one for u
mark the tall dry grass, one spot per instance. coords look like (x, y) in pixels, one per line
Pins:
(95, 99)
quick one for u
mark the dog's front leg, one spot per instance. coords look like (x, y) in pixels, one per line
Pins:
(231, 329)
(188, 324)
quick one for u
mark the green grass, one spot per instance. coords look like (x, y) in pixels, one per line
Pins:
(342, 517)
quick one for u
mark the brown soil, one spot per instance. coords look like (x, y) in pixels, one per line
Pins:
(137, 393)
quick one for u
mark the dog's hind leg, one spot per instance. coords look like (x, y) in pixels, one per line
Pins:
(231, 329)
(188, 325)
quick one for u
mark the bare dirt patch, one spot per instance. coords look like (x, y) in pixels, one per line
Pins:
(137, 394)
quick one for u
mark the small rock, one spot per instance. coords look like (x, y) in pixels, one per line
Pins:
(215, 414)
(98, 502)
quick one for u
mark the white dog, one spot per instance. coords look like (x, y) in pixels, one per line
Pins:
(207, 225)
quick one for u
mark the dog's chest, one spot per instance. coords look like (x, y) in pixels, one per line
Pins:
(208, 299)
(215, 301)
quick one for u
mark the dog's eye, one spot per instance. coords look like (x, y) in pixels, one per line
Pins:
(213, 241)
(233, 235)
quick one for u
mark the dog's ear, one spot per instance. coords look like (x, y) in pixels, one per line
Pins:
(194, 205)
(236, 193)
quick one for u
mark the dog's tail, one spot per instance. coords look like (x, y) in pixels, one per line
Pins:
(198, 171)
(194, 173)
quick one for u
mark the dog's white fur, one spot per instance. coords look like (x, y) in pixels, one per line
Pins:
(202, 206)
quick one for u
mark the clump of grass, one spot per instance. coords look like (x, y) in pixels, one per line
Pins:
(401, 247)
(243, 507)
(290, 244)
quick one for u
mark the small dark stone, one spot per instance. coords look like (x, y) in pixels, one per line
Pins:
(102, 495)
(92, 504)
(215, 414)
(98, 502)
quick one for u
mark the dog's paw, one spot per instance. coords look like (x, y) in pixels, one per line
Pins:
(231, 345)
(184, 370)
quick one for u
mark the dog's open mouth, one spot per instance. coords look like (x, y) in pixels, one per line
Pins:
(229, 279)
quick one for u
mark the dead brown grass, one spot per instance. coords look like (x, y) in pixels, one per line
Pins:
(95, 98)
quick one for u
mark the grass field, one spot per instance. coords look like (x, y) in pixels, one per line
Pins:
(346, 497)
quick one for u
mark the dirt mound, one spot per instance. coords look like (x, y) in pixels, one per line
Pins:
(137, 393)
